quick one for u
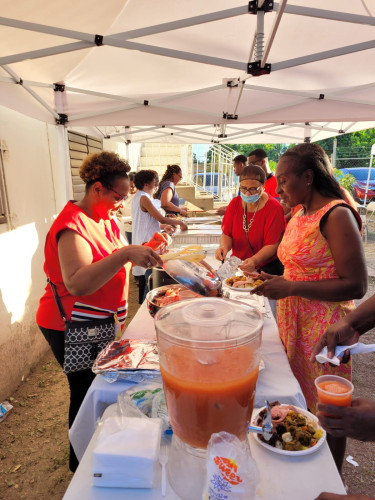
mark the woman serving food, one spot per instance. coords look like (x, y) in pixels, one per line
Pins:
(253, 225)
(89, 264)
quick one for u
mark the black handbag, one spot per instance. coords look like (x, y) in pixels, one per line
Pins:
(83, 340)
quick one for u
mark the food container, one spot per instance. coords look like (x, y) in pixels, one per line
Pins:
(153, 305)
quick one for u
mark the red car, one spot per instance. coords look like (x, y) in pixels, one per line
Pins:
(359, 190)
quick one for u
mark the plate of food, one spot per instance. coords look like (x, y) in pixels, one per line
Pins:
(296, 431)
(242, 283)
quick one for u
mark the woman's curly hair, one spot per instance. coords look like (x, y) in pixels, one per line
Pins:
(104, 167)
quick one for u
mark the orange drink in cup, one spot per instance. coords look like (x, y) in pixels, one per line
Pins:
(334, 390)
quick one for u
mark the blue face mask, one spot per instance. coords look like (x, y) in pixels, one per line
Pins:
(253, 198)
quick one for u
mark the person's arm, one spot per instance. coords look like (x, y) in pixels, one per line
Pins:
(344, 239)
(264, 254)
(166, 203)
(221, 210)
(224, 248)
(81, 276)
(334, 496)
(347, 330)
(147, 206)
(356, 421)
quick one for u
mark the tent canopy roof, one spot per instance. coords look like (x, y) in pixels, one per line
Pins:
(132, 64)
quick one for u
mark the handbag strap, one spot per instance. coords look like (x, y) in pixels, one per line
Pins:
(251, 248)
(57, 300)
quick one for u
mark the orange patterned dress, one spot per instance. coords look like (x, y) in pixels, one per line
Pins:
(307, 257)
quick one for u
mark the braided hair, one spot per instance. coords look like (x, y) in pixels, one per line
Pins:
(168, 174)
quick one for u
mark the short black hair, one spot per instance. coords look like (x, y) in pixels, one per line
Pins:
(259, 153)
(144, 177)
(253, 172)
(240, 159)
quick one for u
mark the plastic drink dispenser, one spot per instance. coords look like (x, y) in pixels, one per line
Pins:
(209, 359)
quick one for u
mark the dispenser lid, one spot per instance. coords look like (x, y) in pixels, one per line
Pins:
(212, 320)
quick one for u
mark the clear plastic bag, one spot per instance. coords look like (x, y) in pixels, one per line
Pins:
(145, 400)
(229, 268)
(232, 473)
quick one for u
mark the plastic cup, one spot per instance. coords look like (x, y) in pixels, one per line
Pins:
(334, 390)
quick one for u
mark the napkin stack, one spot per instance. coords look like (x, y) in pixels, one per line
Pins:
(357, 348)
(126, 453)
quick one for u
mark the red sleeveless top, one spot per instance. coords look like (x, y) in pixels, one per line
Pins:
(109, 299)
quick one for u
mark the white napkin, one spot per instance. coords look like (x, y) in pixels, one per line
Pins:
(126, 453)
(357, 348)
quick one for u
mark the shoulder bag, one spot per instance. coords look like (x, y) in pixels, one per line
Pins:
(83, 340)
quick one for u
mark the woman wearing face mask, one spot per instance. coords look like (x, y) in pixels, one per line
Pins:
(253, 225)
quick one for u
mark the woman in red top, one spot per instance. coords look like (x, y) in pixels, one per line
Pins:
(253, 224)
(89, 263)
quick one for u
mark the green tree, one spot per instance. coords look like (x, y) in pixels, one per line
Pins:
(274, 151)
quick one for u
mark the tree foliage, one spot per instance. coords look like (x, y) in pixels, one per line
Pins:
(356, 145)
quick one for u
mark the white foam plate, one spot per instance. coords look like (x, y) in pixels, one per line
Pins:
(313, 449)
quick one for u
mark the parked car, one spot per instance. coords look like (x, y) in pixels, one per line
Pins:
(359, 187)
(212, 182)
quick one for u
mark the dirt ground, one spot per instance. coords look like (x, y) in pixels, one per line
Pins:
(34, 438)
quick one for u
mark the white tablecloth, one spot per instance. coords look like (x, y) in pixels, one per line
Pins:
(281, 477)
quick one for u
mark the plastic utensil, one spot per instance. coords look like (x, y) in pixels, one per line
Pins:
(266, 428)
(163, 459)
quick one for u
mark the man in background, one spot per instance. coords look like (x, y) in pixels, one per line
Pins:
(259, 157)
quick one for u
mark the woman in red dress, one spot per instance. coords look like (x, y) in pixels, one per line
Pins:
(253, 225)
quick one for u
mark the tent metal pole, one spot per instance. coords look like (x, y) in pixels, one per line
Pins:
(184, 23)
(327, 97)
(369, 173)
(348, 127)
(177, 54)
(49, 51)
(81, 116)
(180, 129)
(42, 28)
(328, 14)
(327, 54)
(190, 93)
(274, 108)
(133, 132)
(19, 81)
(103, 94)
(272, 34)
(314, 127)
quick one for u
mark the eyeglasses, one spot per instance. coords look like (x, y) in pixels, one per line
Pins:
(251, 190)
(121, 196)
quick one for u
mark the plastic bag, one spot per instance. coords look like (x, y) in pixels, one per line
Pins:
(229, 268)
(145, 400)
(4, 410)
(134, 360)
(232, 473)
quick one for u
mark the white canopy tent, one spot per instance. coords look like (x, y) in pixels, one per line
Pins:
(192, 71)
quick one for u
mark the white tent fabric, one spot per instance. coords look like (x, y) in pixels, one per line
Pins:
(141, 70)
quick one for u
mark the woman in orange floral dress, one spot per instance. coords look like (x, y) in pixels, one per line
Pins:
(324, 264)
